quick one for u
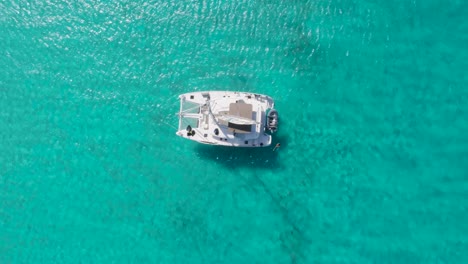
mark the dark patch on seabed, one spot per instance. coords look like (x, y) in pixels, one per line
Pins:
(292, 239)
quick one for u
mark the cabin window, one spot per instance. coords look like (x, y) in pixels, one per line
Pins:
(244, 128)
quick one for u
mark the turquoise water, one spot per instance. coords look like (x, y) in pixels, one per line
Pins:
(373, 100)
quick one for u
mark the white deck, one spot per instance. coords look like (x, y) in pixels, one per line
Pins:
(231, 114)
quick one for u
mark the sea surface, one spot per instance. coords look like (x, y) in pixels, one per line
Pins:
(373, 104)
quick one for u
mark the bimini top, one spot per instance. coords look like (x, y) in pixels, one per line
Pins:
(225, 118)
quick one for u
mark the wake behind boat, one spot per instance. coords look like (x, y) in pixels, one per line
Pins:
(235, 119)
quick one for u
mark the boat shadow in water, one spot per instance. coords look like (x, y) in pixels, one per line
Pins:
(238, 157)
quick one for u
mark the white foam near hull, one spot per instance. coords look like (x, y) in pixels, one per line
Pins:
(225, 118)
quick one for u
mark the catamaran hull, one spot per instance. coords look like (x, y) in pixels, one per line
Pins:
(225, 118)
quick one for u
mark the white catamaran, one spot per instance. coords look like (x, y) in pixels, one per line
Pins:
(235, 119)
